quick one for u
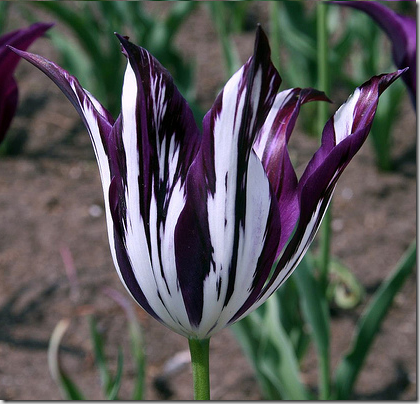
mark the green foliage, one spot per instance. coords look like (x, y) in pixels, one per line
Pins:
(272, 354)
(94, 56)
(370, 322)
(4, 8)
(110, 384)
(355, 53)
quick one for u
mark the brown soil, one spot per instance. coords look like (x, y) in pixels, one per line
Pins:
(52, 198)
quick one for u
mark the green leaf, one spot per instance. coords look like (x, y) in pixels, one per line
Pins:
(370, 323)
(139, 357)
(315, 309)
(343, 289)
(100, 360)
(280, 351)
(179, 12)
(314, 304)
(68, 388)
(136, 340)
(219, 11)
(116, 383)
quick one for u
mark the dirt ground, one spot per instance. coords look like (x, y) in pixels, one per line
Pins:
(51, 199)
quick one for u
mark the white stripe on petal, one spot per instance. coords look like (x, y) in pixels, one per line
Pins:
(146, 264)
(263, 136)
(135, 236)
(221, 206)
(252, 239)
(344, 117)
(305, 242)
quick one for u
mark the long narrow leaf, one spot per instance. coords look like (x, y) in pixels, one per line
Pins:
(136, 342)
(369, 324)
(218, 11)
(178, 14)
(76, 22)
(314, 305)
(100, 360)
(69, 390)
(315, 310)
(116, 383)
(286, 363)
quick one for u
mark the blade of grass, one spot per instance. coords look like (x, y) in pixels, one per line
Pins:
(285, 366)
(315, 309)
(230, 55)
(98, 349)
(136, 341)
(116, 384)
(369, 324)
(68, 388)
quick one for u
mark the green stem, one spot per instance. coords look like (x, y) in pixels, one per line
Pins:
(275, 32)
(323, 84)
(199, 350)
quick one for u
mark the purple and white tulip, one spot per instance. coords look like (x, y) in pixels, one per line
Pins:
(402, 32)
(21, 38)
(197, 221)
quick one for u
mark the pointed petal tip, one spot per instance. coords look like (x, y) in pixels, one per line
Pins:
(387, 79)
(126, 45)
(124, 39)
(17, 51)
(261, 40)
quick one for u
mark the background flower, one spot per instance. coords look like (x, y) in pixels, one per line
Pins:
(402, 32)
(22, 39)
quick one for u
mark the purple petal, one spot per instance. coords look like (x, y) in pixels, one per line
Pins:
(96, 118)
(8, 62)
(8, 105)
(227, 234)
(271, 148)
(154, 148)
(401, 30)
(21, 39)
(343, 136)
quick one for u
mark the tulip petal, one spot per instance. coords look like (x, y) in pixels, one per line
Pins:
(8, 62)
(8, 104)
(229, 200)
(156, 145)
(343, 136)
(402, 32)
(22, 39)
(271, 148)
(97, 119)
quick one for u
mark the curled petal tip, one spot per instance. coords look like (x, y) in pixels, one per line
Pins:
(311, 94)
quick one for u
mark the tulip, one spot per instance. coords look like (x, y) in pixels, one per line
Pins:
(21, 38)
(402, 32)
(203, 228)
(196, 221)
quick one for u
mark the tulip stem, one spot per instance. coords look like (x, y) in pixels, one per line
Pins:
(199, 350)
(323, 83)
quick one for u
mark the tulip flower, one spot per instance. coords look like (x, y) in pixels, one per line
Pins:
(21, 38)
(402, 32)
(204, 227)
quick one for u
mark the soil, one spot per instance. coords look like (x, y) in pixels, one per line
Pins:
(51, 201)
